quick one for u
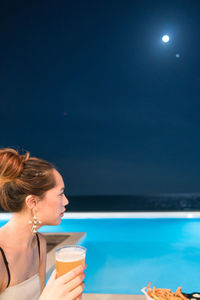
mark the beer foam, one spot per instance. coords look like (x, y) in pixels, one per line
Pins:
(68, 255)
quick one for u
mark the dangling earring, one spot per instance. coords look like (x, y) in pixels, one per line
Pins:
(35, 223)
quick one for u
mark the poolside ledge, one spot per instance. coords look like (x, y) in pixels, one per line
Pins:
(112, 297)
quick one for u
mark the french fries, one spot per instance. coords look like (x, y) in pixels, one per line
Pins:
(165, 294)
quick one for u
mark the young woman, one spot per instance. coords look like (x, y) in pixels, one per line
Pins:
(33, 190)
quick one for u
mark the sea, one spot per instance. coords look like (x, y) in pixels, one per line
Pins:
(133, 203)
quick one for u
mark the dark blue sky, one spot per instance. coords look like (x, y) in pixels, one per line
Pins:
(90, 86)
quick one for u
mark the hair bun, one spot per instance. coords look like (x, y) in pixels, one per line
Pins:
(11, 164)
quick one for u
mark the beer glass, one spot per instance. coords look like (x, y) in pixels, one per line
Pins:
(68, 258)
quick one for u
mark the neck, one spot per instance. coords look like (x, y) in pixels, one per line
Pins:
(19, 230)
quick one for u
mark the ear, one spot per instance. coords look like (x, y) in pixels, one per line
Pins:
(31, 201)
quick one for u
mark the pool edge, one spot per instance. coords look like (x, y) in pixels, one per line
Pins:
(123, 215)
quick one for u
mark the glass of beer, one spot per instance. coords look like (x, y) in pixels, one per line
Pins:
(68, 258)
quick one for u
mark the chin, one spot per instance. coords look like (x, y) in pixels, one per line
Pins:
(58, 222)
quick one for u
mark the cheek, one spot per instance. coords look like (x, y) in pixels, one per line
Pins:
(50, 210)
(56, 207)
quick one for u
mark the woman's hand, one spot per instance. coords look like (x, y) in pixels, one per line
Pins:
(67, 287)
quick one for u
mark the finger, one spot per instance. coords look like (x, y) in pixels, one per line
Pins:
(77, 291)
(79, 297)
(71, 285)
(71, 275)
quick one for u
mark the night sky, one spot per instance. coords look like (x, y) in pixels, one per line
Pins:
(91, 87)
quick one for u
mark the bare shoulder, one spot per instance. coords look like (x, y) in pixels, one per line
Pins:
(3, 274)
(2, 264)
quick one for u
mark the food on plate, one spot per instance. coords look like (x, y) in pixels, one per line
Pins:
(165, 294)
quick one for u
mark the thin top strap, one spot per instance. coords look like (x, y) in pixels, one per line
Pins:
(38, 242)
(6, 264)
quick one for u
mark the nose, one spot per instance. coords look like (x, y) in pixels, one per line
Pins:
(65, 200)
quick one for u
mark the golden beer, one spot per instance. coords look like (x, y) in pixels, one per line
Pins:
(68, 258)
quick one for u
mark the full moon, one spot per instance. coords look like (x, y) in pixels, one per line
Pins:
(165, 38)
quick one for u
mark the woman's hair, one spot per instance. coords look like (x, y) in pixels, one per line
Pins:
(22, 175)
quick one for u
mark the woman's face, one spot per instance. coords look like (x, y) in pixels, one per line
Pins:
(51, 208)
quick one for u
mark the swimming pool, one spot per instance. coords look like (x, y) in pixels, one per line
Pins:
(124, 254)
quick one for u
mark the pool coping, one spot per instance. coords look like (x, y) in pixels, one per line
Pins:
(132, 215)
(123, 215)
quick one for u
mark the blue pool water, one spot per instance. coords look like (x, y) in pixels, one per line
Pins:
(123, 255)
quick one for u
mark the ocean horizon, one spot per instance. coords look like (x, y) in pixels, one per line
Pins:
(134, 203)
